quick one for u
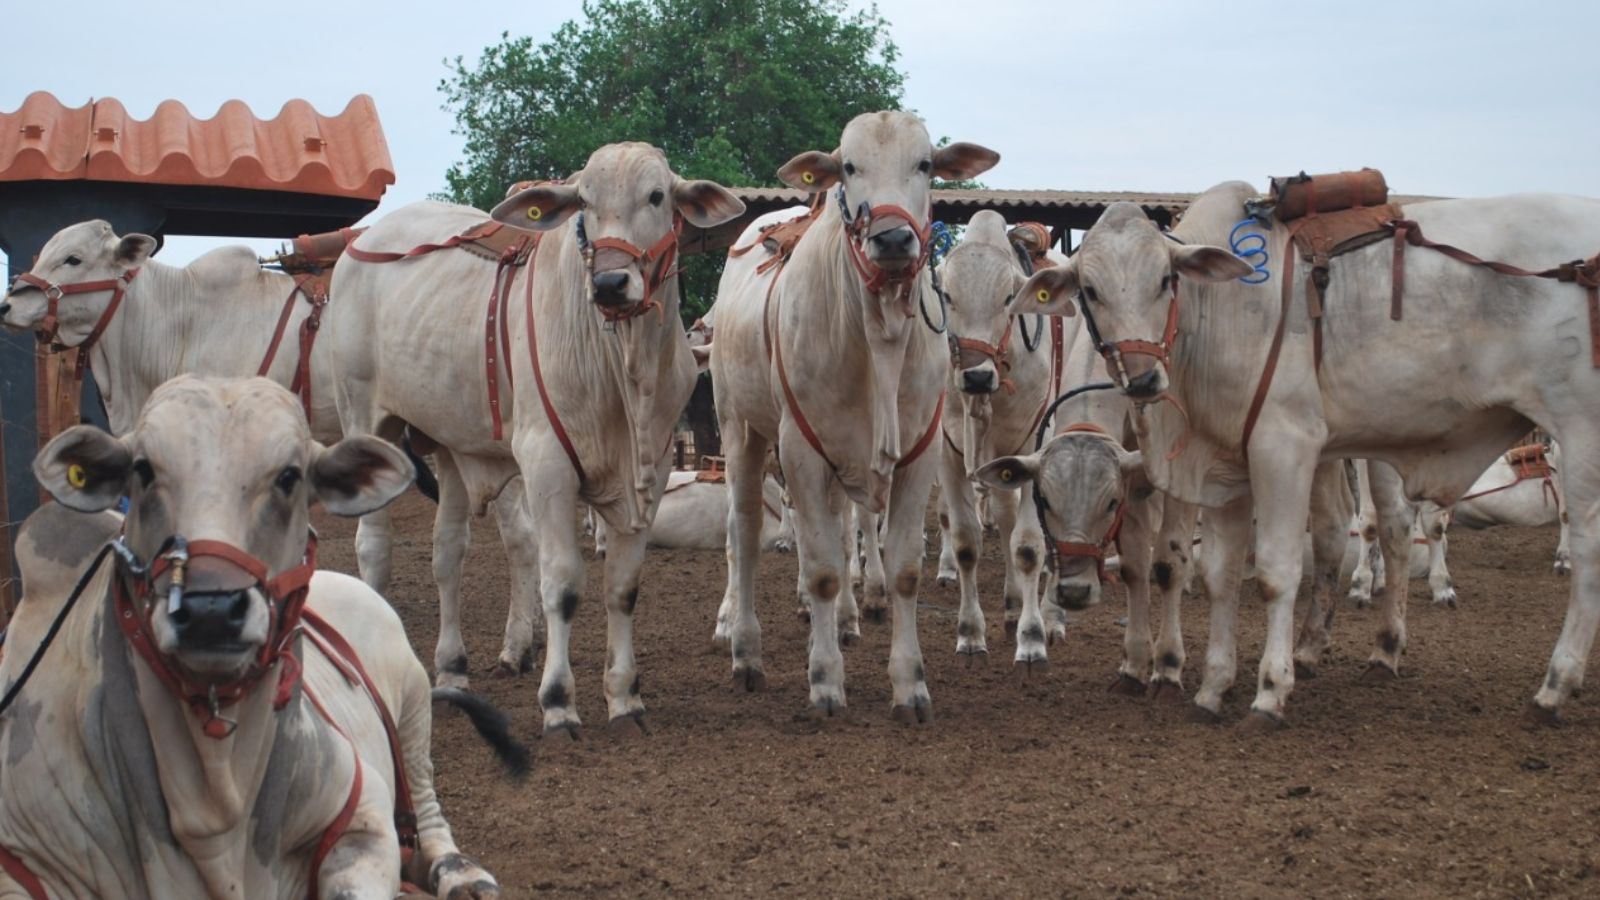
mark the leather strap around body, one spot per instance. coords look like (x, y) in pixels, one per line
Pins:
(317, 295)
(538, 379)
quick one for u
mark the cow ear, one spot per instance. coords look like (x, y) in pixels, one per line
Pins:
(706, 204)
(1009, 471)
(702, 357)
(1134, 475)
(134, 249)
(84, 468)
(359, 475)
(1205, 263)
(811, 171)
(1048, 292)
(538, 208)
(961, 160)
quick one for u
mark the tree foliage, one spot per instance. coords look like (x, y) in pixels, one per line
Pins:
(730, 90)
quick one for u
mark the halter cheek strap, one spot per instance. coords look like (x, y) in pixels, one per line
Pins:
(49, 330)
(657, 264)
(1162, 352)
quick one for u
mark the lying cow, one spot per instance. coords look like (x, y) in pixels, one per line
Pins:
(694, 516)
(1518, 351)
(211, 719)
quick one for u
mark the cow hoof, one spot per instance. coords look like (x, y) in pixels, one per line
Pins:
(503, 668)
(1164, 691)
(804, 615)
(1446, 597)
(1543, 716)
(628, 725)
(1376, 671)
(478, 890)
(1127, 686)
(1261, 722)
(974, 654)
(455, 680)
(825, 708)
(1204, 716)
(1055, 634)
(783, 547)
(749, 678)
(875, 614)
(920, 714)
(849, 637)
(1304, 670)
(571, 729)
(1027, 668)
(945, 579)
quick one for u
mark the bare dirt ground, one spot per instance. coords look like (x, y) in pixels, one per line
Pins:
(1431, 785)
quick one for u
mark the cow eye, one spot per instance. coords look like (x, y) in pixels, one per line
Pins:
(1090, 295)
(849, 168)
(145, 471)
(74, 261)
(1166, 282)
(1112, 507)
(287, 480)
(656, 196)
(925, 166)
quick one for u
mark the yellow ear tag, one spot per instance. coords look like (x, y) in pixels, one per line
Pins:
(808, 177)
(535, 213)
(1005, 474)
(1043, 296)
(76, 476)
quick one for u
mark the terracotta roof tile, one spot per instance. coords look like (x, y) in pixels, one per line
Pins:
(299, 151)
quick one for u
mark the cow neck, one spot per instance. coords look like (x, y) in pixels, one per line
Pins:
(846, 314)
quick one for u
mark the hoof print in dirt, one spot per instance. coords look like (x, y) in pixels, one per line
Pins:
(1127, 686)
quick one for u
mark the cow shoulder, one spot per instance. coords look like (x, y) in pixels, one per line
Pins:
(225, 268)
(55, 544)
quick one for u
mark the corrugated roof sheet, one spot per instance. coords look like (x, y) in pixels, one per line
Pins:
(299, 150)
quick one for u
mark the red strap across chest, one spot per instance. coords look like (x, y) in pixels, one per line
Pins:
(538, 381)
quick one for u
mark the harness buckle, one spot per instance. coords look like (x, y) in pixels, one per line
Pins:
(53, 292)
(179, 559)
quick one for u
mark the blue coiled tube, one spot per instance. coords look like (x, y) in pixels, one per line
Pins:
(1252, 248)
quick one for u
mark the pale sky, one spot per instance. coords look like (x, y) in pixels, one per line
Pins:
(1459, 98)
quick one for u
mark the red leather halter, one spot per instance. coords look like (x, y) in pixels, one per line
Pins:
(1161, 351)
(134, 597)
(48, 331)
(656, 264)
(962, 350)
(316, 294)
(1095, 551)
(877, 278)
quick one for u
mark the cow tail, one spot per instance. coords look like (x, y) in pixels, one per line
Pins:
(492, 725)
(427, 485)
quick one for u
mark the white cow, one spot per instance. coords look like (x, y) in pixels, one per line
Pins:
(217, 316)
(1503, 495)
(1429, 540)
(826, 357)
(223, 741)
(602, 373)
(996, 397)
(1476, 361)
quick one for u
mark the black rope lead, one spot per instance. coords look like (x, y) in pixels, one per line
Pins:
(55, 628)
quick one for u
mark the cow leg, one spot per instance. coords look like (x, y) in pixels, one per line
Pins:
(874, 589)
(966, 533)
(746, 454)
(451, 535)
(1135, 552)
(1435, 528)
(1369, 565)
(1169, 570)
(948, 576)
(1281, 483)
(1330, 517)
(552, 489)
(1024, 556)
(1563, 563)
(1395, 518)
(849, 610)
(520, 540)
(1025, 600)
(820, 509)
(624, 559)
(1582, 503)
(361, 865)
(374, 550)
(1225, 535)
(903, 552)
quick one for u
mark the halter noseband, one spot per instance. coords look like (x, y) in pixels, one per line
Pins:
(877, 278)
(1162, 352)
(964, 349)
(49, 330)
(1095, 551)
(135, 595)
(656, 264)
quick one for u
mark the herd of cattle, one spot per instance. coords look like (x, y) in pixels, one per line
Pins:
(249, 729)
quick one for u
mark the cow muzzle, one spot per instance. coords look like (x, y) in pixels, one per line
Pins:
(1078, 592)
(616, 288)
(1148, 384)
(894, 249)
(979, 380)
